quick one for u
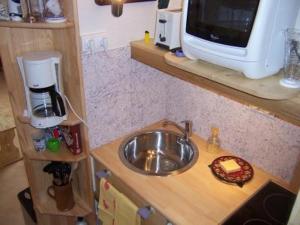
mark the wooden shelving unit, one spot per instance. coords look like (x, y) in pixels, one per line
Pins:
(62, 155)
(16, 39)
(36, 25)
(71, 121)
(47, 206)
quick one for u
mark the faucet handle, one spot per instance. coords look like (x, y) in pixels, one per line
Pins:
(187, 123)
(188, 127)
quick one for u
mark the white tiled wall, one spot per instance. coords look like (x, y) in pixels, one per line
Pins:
(123, 95)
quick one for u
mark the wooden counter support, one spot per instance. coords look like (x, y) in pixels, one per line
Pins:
(288, 110)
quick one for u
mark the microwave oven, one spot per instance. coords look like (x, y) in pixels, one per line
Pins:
(244, 35)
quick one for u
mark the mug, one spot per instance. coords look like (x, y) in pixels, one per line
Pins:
(63, 196)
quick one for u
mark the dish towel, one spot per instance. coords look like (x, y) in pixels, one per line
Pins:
(115, 208)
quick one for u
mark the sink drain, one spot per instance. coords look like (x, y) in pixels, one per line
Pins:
(168, 165)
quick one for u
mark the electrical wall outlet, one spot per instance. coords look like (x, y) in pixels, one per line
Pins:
(94, 42)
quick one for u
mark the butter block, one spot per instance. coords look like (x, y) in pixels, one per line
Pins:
(230, 166)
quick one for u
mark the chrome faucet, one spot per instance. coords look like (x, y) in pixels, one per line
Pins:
(187, 130)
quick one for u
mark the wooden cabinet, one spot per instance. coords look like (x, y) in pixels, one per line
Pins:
(16, 39)
(156, 218)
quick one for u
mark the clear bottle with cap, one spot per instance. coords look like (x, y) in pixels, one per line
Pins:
(213, 142)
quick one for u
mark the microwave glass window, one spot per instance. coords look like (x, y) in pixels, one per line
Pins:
(222, 21)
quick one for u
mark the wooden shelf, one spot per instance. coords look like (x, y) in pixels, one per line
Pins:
(149, 54)
(71, 121)
(268, 88)
(108, 2)
(63, 155)
(48, 206)
(10, 24)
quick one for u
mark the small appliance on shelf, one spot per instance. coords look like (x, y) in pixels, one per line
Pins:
(53, 12)
(41, 73)
(246, 36)
(167, 31)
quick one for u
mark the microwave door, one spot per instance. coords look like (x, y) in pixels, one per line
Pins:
(226, 22)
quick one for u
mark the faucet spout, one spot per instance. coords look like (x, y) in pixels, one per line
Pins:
(187, 130)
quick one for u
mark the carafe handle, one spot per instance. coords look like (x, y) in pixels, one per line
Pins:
(51, 193)
(57, 101)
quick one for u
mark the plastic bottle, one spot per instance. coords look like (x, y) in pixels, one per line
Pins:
(213, 142)
(15, 10)
(81, 221)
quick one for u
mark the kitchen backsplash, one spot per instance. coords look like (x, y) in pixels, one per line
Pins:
(123, 95)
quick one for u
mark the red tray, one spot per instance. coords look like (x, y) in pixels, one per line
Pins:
(240, 177)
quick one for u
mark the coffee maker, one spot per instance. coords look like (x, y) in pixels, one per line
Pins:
(41, 73)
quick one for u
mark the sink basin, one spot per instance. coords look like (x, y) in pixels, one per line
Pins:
(158, 153)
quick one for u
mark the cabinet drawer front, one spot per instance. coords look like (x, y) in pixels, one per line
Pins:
(156, 218)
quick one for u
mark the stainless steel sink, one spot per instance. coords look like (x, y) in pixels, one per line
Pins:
(158, 153)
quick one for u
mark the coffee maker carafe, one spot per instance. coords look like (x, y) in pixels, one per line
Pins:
(41, 73)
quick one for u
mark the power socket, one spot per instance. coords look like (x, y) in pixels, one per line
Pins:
(93, 42)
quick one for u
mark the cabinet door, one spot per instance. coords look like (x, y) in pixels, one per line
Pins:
(156, 218)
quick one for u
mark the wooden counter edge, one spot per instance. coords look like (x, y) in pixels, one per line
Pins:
(148, 54)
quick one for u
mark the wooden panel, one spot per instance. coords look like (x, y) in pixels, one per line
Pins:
(46, 205)
(55, 220)
(64, 155)
(156, 217)
(71, 120)
(108, 2)
(268, 88)
(61, 220)
(36, 25)
(9, 153)
(288, 110)
(64, 42)
(16, 40)
(84, 183)
(69, 6)
(295, 182)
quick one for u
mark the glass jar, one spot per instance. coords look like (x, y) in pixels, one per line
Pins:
(292, 59)
(213, 142)
(35, 10)
(53, 12)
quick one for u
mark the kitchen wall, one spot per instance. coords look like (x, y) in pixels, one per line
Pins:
(123, 95)
(136, 18)
(298, 21)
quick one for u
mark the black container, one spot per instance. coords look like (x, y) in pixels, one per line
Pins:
(27, 206)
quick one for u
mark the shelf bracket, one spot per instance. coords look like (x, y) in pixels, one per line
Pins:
(146, 212)
(103, 174)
